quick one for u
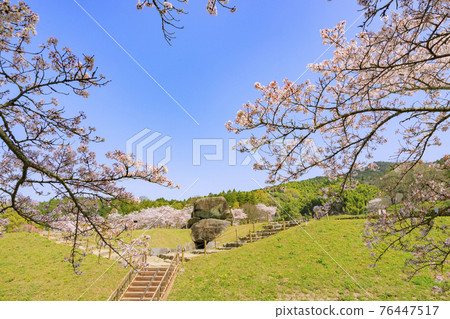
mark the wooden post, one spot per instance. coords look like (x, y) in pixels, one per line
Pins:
(167, 227)
(254, 227)
(268, 220)
(48, 234)
(250, 235)
(110, 251)
(182, 255)
(284, 225)
(236, 235)
(232, 222)
(205, 247)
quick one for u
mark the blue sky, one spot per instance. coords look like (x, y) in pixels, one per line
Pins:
(210, 69)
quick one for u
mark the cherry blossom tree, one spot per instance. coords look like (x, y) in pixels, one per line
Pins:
(270, 210)
(44, 148)
(163, 216)
(169, 11)
(238, 213)
(393, 74)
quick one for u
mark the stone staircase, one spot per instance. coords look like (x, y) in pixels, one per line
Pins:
(149, 283)
(268, 230)
(144, 285)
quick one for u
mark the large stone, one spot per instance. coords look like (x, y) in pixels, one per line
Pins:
(189, 246)
(212, 207)
(192, 221)
(207, 229)
(157, 251)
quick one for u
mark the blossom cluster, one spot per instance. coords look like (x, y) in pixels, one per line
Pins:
(163, 216)
(45, 150)
(270, 210)
(367, 84)
(169, 10)
(391, 76)
(238, 213)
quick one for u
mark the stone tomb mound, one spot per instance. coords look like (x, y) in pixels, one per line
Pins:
(207, 230)
(210, 218)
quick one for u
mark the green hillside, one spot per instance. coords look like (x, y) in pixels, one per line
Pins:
(372, 177)
(291, 266)
(33, 268)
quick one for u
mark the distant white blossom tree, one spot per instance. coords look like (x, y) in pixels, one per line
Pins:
(163, 216)
(238, 214)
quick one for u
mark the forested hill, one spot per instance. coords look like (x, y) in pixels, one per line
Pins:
(371, 177)
(297, 197)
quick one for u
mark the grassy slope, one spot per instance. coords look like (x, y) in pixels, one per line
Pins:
(172, 237)
(230, 234)
(289, 266)
(33, 268)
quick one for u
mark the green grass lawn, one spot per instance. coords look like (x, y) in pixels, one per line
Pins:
(286, 266)
(171, 238)
(290, 266)
(33, 268)
(230, 234)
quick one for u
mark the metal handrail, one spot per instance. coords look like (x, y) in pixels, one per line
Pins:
(158, 293)
(117, 293)
(148, 286)
(171, 279)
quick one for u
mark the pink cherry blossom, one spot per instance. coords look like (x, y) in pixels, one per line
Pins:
(393, 74)
(44, 149)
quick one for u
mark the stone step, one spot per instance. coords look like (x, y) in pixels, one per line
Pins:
(133, 299)
(273, 227)
(148, 278)
(142, 288)
(233, 244)
(247, 238)
(266, 233)
(138, 294)
(140, 284)
(154, 268)
(150, 273)
(226, 248)
(202, 251)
